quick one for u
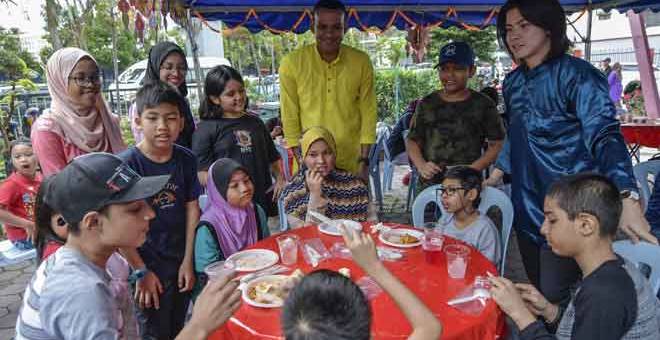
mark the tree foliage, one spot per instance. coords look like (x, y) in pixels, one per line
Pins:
(483, 42)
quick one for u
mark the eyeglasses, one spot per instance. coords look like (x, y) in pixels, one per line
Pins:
(178, 68)
(450, 191)
(93, 79)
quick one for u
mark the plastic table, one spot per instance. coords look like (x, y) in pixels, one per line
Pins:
(429, 282)
(638, 135)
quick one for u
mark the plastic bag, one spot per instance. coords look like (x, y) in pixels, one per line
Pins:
(473, 299)
(314, 251)
(340, 250)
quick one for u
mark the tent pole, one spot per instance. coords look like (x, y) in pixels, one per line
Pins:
(587, 40)
(115, 62)
(644, 60)
(195, 52)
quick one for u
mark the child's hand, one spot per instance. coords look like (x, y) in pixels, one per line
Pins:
(361, 245)
(280, 183)
(31, 231)
(429, 169)
(506, 295)
(186, 276)
(536, 302)
(148, 290)
(314, 180)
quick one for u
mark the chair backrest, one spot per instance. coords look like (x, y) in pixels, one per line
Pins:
(642, 252)
(284, 154)
(284, 223)
(203, 198)
(489, 197)
(642, 172)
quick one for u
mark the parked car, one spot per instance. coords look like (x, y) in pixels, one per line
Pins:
(131, 79)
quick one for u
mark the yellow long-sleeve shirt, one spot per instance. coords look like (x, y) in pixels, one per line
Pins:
(338, 96)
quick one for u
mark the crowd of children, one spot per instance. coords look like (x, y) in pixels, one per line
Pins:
(122, 245)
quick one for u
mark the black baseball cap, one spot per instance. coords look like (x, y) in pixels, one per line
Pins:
(458, 52)
(95, 180)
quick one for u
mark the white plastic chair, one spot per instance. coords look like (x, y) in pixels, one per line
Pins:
(642, 252)
(489, 197)
(642, 172)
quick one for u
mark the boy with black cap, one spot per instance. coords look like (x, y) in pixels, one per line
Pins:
(451, 125)
(69, 297)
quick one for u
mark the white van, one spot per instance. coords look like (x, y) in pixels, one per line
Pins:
(131, 79)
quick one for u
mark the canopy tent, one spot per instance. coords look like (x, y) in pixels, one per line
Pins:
(279, 16)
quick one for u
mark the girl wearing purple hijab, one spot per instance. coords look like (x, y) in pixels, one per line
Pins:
(230, 221)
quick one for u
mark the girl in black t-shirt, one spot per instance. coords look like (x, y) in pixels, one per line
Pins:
(226, 130)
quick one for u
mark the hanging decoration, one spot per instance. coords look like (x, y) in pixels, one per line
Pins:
(142, 14)
(418, 39)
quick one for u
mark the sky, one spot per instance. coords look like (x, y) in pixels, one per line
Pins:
(25, 15)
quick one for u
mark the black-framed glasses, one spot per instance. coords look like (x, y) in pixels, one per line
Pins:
(450, 191)
(171, 67)
(93, 79)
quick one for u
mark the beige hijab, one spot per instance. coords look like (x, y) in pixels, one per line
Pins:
(99, 131)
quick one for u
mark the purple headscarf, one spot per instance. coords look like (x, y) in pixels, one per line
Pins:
(236, 228)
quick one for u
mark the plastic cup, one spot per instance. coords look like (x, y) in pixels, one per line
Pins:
(288, 245)
(458, 256)
(219, 269)
(432, 245)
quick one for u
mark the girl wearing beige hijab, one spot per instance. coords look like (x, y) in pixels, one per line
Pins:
(79, 120)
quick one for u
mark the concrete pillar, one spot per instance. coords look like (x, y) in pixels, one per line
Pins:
(644, 61)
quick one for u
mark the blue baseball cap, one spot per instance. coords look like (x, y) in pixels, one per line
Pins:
(458, 52)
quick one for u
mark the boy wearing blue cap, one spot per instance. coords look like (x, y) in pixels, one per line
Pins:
(451, 125)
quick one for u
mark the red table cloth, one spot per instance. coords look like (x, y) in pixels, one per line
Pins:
(429, 282)
(642, 134)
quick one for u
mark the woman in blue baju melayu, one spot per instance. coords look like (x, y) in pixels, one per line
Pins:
(561, 121)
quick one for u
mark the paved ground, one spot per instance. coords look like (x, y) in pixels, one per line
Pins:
(13, 280)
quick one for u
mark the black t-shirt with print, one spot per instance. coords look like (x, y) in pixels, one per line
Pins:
(245, 140)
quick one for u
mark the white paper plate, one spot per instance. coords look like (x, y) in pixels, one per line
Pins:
(253, 259)
(385, 237)
(256, 281)
(333, 229)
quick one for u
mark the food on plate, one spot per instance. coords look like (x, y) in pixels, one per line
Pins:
(403, 239)
(345, 271)
(273, 292)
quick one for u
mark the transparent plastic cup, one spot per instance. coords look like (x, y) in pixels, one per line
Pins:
(458, 257)
(219, 269)
(288, 245)
(432, 245)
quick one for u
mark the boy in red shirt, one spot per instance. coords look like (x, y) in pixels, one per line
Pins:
(17, 195)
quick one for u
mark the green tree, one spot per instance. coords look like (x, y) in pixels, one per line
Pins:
(483, 42)
(15, 69)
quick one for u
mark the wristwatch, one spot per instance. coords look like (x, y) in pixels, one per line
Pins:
(139, 273)
(633, 195)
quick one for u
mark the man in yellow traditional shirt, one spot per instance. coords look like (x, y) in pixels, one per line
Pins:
(331, 85)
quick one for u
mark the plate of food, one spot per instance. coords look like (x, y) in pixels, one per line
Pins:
(332, 227)
(270, 291)
(253, 259)
(402, 238)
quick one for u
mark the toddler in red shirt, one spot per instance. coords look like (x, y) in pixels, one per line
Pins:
(17, 195)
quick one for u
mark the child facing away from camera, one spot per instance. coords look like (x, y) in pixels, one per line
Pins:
(164, 263)
(18, 193)
(613, 300)
(226, 130)
(460, 191)
(326, 305)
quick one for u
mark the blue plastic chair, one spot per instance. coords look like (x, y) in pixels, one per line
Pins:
(374, 166)
(202, 201)
(642, 172)
(284, 154)
(284, 223)
(489, 197)
(642, 252)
